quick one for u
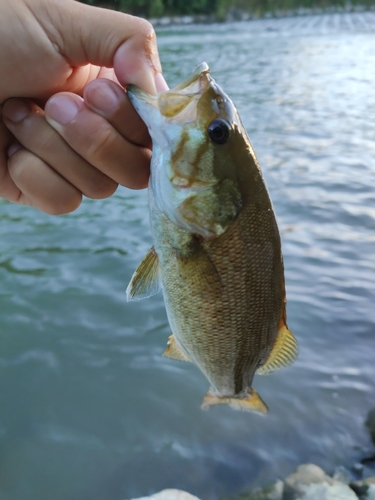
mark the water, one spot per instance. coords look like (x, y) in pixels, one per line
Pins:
(89, 409)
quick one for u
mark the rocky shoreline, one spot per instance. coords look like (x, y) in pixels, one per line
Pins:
(308, 482)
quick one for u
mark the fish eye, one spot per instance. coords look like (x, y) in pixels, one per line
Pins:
(218, 131)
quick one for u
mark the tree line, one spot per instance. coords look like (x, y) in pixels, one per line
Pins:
(218, 8)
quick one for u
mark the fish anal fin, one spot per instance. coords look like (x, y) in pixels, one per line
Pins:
(173, 351)
(249, 402)
(145, 281)
(284, 352)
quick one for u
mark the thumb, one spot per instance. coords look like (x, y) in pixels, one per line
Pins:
(92, 35)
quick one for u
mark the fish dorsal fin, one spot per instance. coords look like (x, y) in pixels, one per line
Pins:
(173, 351)
(145, 281)
(250, 402)
(284, 352)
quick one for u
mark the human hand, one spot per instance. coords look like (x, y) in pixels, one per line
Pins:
(46, 172)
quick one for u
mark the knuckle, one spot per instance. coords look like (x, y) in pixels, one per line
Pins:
(145, 28)
(100, 142)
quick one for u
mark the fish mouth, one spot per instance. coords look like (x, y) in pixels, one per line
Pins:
(171, 103)
(185, 86)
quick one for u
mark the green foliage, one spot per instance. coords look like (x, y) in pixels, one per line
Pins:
(220, 8)
(156, 8)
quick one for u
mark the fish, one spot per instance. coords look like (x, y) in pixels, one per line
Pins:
(216, 251)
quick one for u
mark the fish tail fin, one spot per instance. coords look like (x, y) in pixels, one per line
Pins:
(249, 402)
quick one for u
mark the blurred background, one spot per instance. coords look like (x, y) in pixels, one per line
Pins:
(89, 408)
(221, 10)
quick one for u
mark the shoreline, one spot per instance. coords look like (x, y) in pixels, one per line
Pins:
(307, 482)
(239, 15)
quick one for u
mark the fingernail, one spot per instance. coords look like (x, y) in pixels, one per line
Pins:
(13, 148)
(62, 109)
(102, 98)
(160, 83)
(15, 110)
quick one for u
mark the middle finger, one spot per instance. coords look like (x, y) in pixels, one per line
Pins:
(116, 145)
(110, 100)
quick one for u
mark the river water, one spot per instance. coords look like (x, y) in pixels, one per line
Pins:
(89, 408)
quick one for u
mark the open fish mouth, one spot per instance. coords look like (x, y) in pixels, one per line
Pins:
(172, 102)
(184, 86)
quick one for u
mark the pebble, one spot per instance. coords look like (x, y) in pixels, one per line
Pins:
(310, 482)
(169, 494)
(364, 489)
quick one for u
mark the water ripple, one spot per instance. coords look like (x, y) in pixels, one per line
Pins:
(88, 403)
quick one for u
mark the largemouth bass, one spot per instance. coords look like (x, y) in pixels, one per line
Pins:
(217, 252)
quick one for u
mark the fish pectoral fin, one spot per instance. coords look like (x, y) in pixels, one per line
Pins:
(145, 281)
(173, 351)
(196, 268)
(250, 402)
(284, 352)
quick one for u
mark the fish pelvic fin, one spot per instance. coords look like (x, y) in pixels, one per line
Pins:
(173, 351)
(249, 402)
(145, 281)
(284, 352)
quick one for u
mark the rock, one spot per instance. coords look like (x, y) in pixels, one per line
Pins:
(364, 489)
(370, 424)
(358, 468)
(170, 494)
(272, 492)
(310, 482)
(343, 475)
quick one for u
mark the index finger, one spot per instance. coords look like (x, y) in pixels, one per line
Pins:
(111, 102)
(91, 35)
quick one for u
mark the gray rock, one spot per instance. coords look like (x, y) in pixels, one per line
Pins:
(272, 492)
(310, 482)
(370, 493)
(325, 491)
(364, 489)
(370, 424)
(358, 468)
(170, 494)
(343, 475)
